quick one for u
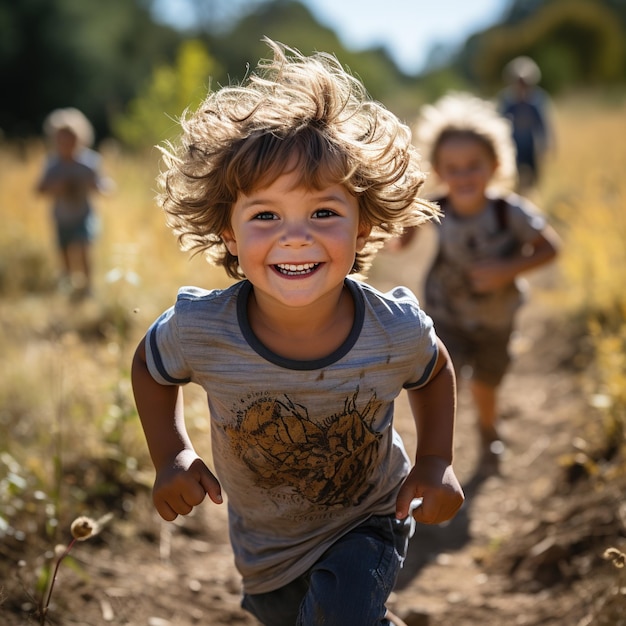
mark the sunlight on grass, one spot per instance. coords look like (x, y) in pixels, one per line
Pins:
(67, 418)
(585, 192)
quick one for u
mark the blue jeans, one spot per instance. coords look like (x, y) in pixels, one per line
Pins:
(84, 230)
(347, 586)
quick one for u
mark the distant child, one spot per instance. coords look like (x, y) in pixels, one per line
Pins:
(526, 106)
(486, 239)
(70, 177)
(291, 181)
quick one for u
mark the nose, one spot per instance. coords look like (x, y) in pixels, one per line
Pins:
(296, 235)
(462, 174)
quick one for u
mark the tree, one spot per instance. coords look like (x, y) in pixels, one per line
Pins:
(83, 53)
(151, 117)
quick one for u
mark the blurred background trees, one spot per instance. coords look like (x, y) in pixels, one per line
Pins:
(84, 53)
(133, 76)
(577, 43)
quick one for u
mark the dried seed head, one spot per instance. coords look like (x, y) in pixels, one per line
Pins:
(59, 550)
(84, 527)
(613, 554)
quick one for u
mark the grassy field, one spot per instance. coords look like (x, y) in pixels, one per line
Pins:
(70, 441)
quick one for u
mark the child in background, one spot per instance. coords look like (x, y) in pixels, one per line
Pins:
(291, 182)
(526, 106)
(487, 237)
(70, 177)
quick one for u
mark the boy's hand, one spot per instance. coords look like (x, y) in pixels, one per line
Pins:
(182, 485)
(490, 275)
(432, 479)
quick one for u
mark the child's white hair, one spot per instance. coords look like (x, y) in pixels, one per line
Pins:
(70, 119)
(522, 68)
(468, 115)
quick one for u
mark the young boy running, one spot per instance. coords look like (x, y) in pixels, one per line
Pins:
(291, 182)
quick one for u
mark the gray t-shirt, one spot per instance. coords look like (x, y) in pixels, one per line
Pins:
(79, 176)
(305, 450)
(495, 232)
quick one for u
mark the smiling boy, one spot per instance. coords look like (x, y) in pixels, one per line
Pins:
(291, 182)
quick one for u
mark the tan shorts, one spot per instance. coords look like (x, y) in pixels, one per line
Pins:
(484, 350)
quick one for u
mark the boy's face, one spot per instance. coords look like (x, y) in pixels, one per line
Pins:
(295, 245)
(66, 143)
(466, 166)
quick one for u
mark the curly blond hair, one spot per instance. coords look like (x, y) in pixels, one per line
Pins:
(70, 119)
(292, 113)
(465, 115)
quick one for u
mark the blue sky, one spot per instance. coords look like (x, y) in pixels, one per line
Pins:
(408, 29)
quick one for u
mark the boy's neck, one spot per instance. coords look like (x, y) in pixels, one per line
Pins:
(303, 333)
(462, 210)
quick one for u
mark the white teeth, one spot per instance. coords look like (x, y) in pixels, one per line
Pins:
(292, 269)
(296, 268)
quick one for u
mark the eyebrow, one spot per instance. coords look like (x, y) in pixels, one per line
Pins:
(254, 202)
(332, 197)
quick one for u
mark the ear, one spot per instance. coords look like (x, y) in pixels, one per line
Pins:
(230, 242)
(362, 236)
(496, 165)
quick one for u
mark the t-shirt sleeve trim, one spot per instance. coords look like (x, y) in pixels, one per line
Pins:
(428, 371)
(158, 361)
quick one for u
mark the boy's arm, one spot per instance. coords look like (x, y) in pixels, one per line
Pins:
(51, 186)
(494, 274)
(432, 477)
(182, 478)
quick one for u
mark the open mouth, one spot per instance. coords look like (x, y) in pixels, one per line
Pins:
(290, 269)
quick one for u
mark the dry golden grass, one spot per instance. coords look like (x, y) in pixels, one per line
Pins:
(585, 191)
(64, 392)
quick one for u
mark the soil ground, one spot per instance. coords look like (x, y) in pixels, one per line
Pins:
(526, 549)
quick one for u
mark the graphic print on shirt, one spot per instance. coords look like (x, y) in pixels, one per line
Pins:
(325, 463)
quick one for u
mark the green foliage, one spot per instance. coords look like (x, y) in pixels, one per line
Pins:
(151, 116)
(433, 85)
(82, 53)
(96, 56)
